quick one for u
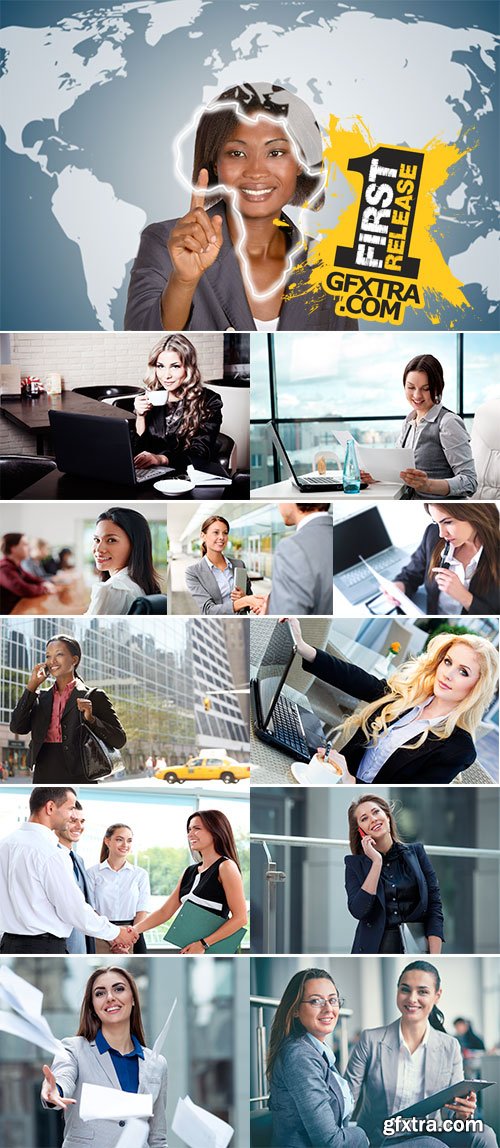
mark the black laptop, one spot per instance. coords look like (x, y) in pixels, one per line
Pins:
(278, 720)
(97, 446)
(363, 536)
(306, 482)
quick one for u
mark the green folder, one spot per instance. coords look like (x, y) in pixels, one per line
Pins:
(192, 923)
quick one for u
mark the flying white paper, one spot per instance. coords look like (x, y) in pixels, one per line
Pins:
(199, 1128)
(20, 994)
(26, 1021)
(134, 1135)
(160, 1039)
(37, 1032)
(98, 1103)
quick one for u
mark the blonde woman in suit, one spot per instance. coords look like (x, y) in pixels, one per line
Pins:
(109, 1050)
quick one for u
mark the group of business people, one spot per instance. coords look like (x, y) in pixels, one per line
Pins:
(302, 567)
(390, 1069)
(50, 903)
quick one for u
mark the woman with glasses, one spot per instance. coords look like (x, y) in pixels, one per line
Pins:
(393, 1067)
(311, 1103)
(392, 889)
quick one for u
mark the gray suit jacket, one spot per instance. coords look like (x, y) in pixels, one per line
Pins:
(219, 302)
(83, 1063)
(372, 1072)
(303, 571)
(306, 1101)
(203, 586)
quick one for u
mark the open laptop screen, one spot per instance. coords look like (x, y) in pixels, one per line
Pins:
(274, 666)
(364, 534)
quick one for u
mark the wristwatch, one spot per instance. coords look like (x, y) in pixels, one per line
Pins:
(204, 943)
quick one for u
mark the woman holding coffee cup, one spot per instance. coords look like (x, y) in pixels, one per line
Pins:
(177, 418)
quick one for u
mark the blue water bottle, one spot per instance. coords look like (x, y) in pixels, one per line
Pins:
(351, 478)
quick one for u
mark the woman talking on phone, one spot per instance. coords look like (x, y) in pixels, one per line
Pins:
(54, 717)
(177, 419)
(392, 888)
(212, 581)
(419, 724)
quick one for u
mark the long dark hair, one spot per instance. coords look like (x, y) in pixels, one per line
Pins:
(89, 1024)
(436, 1017)
(484, 518)
(109, 833)
(222, 833)
(285, 1022)
(354, 834)
(73, 646)
(434, 371)
(209, 522)
(140, 564)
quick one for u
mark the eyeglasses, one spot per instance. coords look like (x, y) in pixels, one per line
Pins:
(321, 1002)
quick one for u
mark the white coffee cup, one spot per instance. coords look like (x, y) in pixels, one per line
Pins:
(157, 398)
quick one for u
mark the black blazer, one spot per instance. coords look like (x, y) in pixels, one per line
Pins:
(370, 908)
(414, 574)
(434, 762)
(202, 446)
(89, 941)
(34, 711)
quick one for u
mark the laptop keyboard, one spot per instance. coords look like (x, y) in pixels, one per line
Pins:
(361, 574)
(287, 726)
(319, 480)
(150, 472)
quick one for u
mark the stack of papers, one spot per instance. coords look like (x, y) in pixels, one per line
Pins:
(199, 1128)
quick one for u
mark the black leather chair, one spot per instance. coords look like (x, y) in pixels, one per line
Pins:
(150, 604)
(226, 446)
(17, 471)
(261, 1126)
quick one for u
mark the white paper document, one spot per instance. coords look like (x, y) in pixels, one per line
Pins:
(134, 1135)
(202, 478)
(160, 1039)
(406, 604)
(199, 1128)
(98, 1103)
(385, 463)
(27, 1021)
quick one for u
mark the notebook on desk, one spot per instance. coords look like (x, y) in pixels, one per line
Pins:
(97, 446)
(278, 720)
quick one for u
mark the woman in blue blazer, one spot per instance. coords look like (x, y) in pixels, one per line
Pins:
(309, 1100)
(390, 886)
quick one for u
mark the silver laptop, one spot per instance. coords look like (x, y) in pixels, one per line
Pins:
(363, 536)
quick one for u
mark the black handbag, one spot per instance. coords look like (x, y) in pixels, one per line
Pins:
(97, 759)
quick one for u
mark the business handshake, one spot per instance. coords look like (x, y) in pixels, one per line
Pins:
(125, 939)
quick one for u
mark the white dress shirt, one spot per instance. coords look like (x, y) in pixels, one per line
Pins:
(311, 517)
(114, 596)
(118, 893)
(447, 604)
(38, 891)
(410, 1085)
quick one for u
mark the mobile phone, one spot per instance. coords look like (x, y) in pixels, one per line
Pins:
(43, 672)
(362, 832)
(240, 578)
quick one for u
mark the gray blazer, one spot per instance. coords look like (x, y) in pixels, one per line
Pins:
(219, 302)
(373, 1070)
(203, 586)
(306, 1102)
(303, 571)
(83, 1063)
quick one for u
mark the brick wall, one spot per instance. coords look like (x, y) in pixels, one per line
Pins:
(102, 358)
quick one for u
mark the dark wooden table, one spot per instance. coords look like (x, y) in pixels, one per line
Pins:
(33, 414)
(57, 485)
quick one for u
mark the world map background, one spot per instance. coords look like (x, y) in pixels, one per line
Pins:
(93, 97)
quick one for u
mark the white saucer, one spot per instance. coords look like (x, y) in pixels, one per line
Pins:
(314, 773)
(173, 486)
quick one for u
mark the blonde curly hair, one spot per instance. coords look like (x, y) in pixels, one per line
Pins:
(413, 682)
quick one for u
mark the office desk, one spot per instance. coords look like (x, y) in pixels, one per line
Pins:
(287, 491)
(57, 485)
(72, 597)
(33, 414)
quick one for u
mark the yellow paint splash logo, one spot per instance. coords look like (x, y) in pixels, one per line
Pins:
(382, 257)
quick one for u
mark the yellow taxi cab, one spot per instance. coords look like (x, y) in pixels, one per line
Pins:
(206, 768)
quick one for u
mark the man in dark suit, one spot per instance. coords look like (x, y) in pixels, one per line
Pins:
(68, 836)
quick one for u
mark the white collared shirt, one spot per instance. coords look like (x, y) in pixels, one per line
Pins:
(410, 1085)
(38, 891)
(407, 727)
(118, 893)
(447, 604)
(311, 517)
